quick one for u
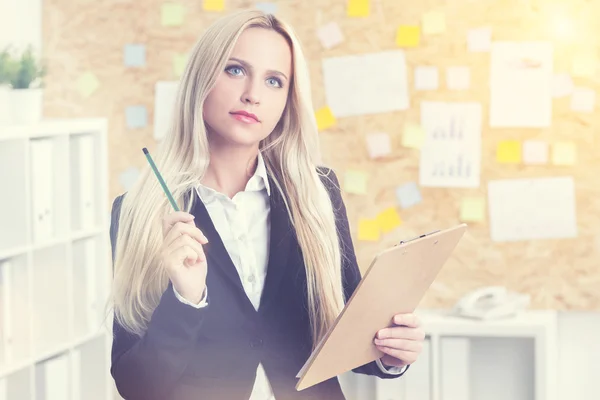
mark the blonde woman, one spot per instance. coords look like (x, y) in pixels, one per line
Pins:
(227, 298)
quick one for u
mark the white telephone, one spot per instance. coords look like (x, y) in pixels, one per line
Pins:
(491, 302)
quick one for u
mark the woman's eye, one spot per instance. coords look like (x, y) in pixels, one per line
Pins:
(274, 82)
(234, 70)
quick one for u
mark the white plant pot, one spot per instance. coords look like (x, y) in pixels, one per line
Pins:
(26, 105)
(5, 107)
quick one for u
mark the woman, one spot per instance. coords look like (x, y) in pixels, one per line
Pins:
(227, 298)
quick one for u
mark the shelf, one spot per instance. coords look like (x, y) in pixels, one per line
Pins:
(17, 385)
(52, 127)
(14, 227)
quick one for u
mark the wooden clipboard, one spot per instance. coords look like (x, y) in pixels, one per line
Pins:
(394, 283)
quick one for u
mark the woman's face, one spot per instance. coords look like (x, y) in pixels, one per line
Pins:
(251, 92)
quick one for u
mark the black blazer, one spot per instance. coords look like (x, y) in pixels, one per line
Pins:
(213, 352)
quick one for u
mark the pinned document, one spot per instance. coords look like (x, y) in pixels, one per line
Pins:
(266, 7)
(583, 100)
(135, 55)
(408, 195)
(136, 116)
(378, 144)
(458, 78)
(368, 230)
(535, 152)
(479, 40)
(330, 35)
(426, 77)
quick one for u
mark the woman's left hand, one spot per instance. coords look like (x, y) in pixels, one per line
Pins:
(402, 343)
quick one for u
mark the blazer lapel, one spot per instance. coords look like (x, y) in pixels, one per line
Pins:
(281, 236)
(215, 249)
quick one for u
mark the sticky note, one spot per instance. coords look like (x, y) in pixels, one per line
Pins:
(479, 39)
(128, 177)
(213, 5)
(434, 22)
(583, 100)
(359, 8)
(378, 145)
(135, 55)
(413, 136)
(535, 152)
(408, 36)
(179, 64)
(266, 7)
(472, 209)
(355, 182)
(388, 220)
(458, 78)
(172, 14)
(330, 35)
(562, 85)
(408, 195)
(136, 117)
(368, 230)
(426, 78)
(564, 153)
(87, 84)
(584, 65)
(325, 118)
(509, 152)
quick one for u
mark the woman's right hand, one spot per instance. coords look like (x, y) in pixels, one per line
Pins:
(182, 255)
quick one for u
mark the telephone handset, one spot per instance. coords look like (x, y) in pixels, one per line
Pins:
(491, 302)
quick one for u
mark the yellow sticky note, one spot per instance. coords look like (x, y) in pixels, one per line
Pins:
(325, 118)
(413, 136)
(434, 22)
(408, 36)
(358, 8)
(584, 65)
(179, 63)
(564, 153)
(213, 5)
(388, 220)
(509, 152)
(472, 209)
(368, 230)
(172, 14)
(87, 84)
(355, 182)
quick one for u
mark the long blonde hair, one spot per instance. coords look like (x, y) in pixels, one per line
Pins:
(291, 154)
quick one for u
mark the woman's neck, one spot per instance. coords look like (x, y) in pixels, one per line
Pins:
(230, 169)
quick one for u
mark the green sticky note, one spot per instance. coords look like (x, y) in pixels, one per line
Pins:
(355, 182)
(87, 84)
(564, 153)
(413, 136)
(179, 64)
(172, 14)
(472, 209)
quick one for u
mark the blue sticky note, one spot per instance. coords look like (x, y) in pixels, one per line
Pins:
(128, 177)
(267, 8)
(408, 195)
(135, 55)
(137, 116)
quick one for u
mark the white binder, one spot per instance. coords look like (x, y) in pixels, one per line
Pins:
(455, 377)
(56, 382)
(5, 325)
(418, 378)
(92, 302)
(86, 181)
(42, 195)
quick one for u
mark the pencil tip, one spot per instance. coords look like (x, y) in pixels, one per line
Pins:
(145, 150)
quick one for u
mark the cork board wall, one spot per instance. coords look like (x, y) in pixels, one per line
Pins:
(90, 74)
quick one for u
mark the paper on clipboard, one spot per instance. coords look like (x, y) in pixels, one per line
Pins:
(394, 283)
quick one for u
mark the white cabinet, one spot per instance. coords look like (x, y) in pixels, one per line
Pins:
(55, 264)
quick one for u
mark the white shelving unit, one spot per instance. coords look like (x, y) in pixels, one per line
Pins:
(54, 261)
(514, 358)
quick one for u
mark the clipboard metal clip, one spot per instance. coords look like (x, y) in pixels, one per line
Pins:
(418, 237)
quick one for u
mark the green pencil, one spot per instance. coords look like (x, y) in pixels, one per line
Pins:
(160, 179)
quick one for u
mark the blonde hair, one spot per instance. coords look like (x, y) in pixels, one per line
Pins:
(291, 154)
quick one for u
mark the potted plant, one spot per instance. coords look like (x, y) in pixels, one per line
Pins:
(27, 89)
(7, 69)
